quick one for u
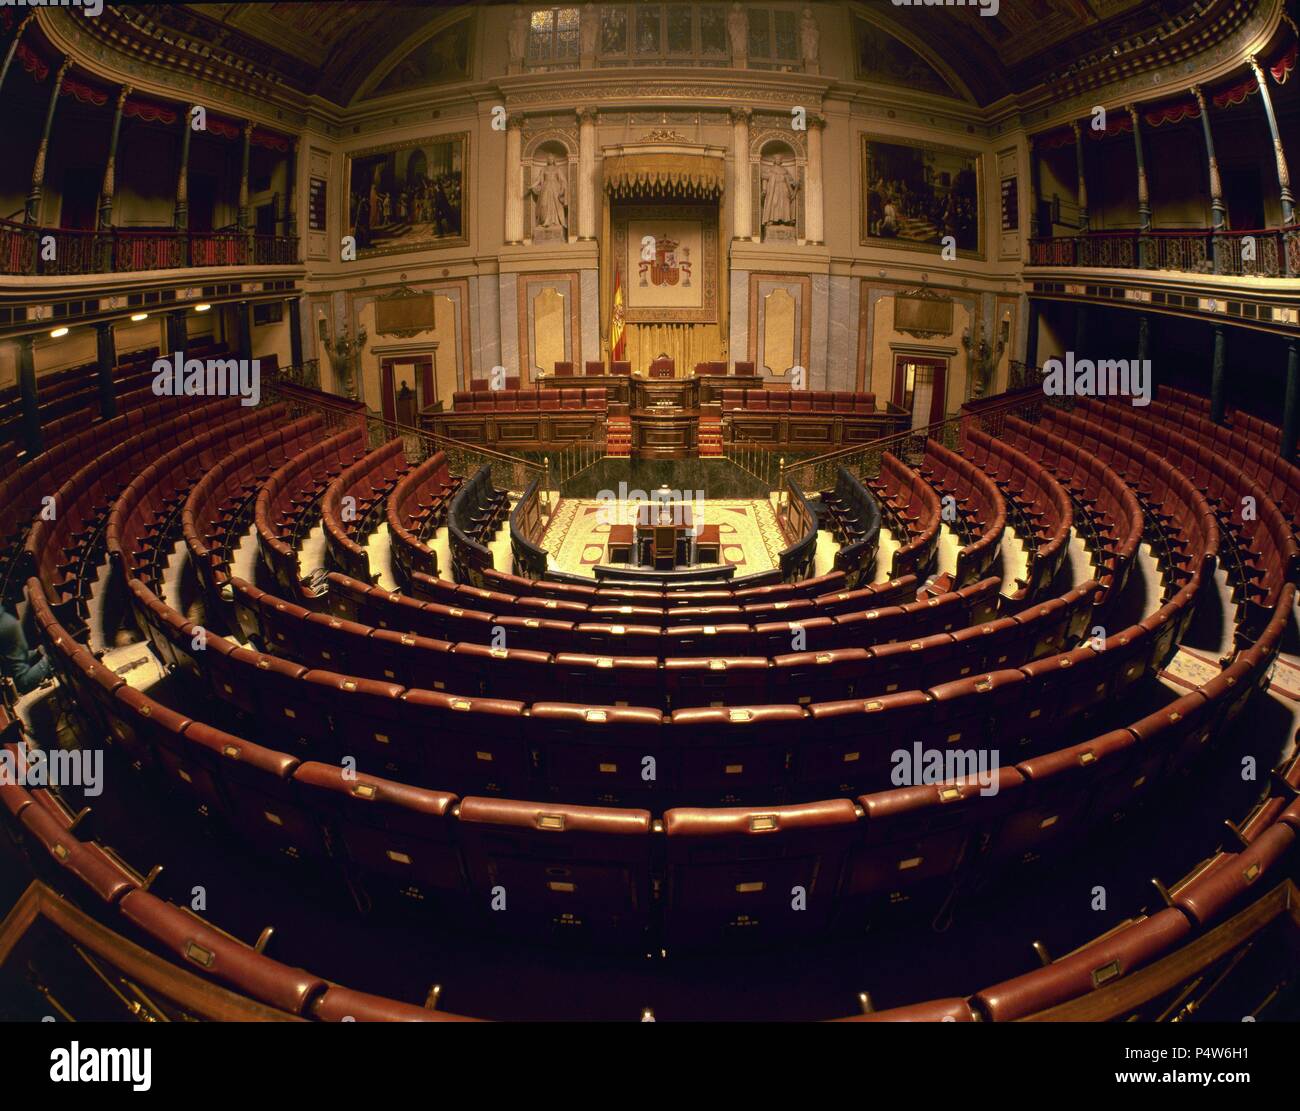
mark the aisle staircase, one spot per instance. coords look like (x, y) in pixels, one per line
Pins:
(710, 440)
(618, 437)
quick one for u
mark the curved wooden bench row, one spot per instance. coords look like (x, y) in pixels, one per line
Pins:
(1041, 500)
(419, 501)
(979, 504)
(1262, 533)
(1112, 507)
(1167, 497)
(291, 494)
(59, 550)
(225, 495)
(194, 946)
(1208, 894)
(857, 857)
(1246, 450)
(351, 498)
(915, 508)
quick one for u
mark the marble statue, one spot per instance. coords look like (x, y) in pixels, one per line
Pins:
(809, 37)
(738, 31)
(780, 186)
(517, 37)
(550, 188)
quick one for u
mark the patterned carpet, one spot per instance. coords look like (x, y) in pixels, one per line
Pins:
(751, 539)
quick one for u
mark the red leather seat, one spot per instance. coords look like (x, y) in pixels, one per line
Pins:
(400, 836)
(1097, 964)
(472, 743)
(915, 837)
(738, 875)
(715, 680)
(557, 870)
(1223, 882)
(732, 754)
(847, 745)
(209, 953)
(609, 754)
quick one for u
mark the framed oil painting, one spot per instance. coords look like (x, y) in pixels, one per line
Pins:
(409, 196)
(914, 194)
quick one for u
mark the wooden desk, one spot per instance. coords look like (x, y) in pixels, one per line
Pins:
(665, 433)
(664, 393)
(712, 385)
(678, 517)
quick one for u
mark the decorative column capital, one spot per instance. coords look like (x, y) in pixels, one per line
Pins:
(1200, 98)
(248, 130)
(1078, 132)
(586, 115)
(741, 115)
(1252, 60)
(1132, 110)
(63, 69)
(515, 121)
(817, 123)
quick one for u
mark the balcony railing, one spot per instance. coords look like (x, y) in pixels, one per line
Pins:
(1263, 253)
(27, 249)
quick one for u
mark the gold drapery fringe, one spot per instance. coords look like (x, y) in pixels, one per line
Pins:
(649, 176)
(685, 344)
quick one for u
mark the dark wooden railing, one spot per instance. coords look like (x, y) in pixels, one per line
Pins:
(1262, 252)
(27, 249)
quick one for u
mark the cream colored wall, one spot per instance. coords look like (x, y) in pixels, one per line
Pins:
(879, 373)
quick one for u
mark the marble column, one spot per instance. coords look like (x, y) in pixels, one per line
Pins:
(514, 180)
(33, 442)
(1291, 407)
(106, 359)
(1218, 401)
(38, 169)
(1218, 211)
(106, 192)
(586, 174)
(1083, 178)
(814, 215)
(742, 201)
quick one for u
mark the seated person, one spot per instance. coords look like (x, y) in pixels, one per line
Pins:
(26, 668)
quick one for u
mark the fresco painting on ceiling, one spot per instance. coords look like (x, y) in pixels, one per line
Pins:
(881, 57)
(408, 196)
(443, 58)
(917, 193)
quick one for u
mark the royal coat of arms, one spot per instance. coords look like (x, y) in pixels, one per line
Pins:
(671, 265)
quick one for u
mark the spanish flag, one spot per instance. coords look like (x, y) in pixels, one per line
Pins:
(616, 338)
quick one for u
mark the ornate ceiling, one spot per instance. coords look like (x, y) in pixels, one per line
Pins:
(1043, 46)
